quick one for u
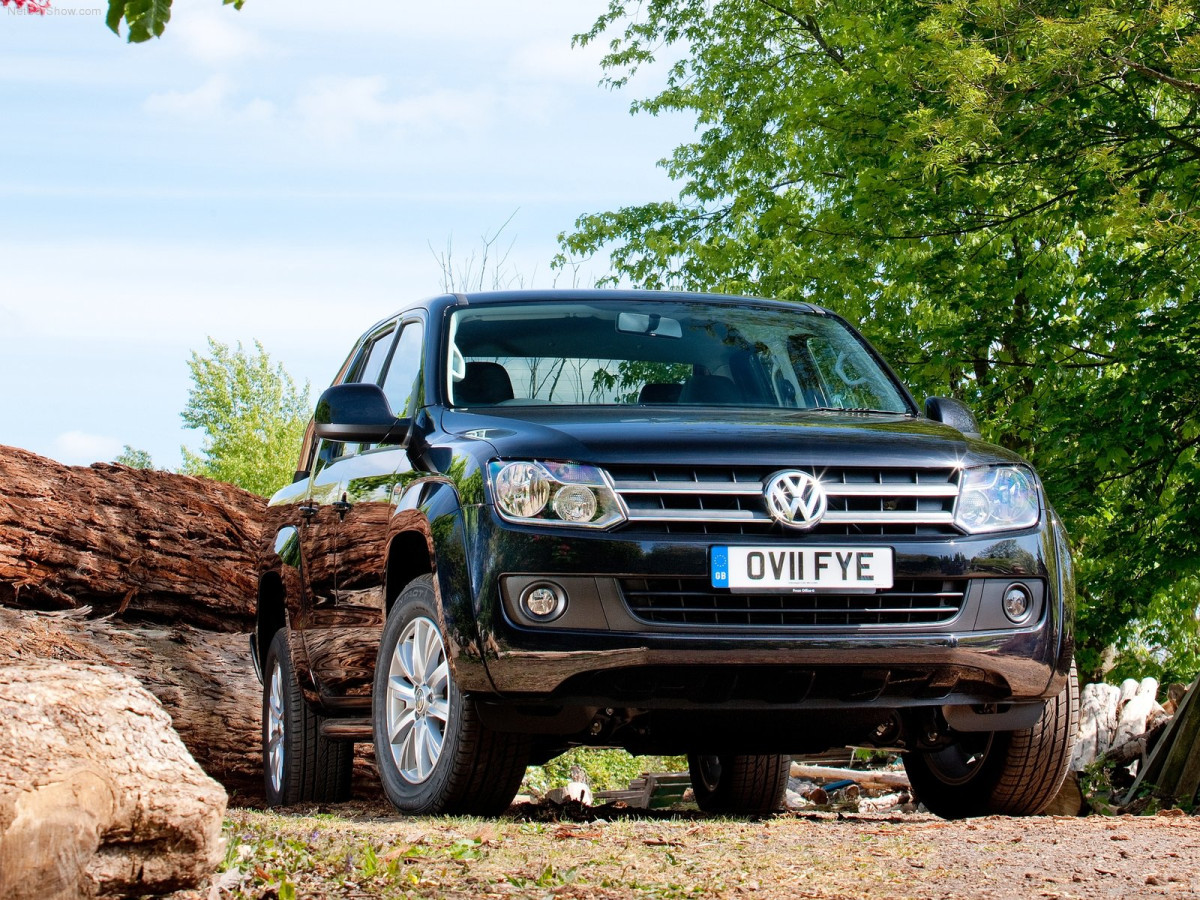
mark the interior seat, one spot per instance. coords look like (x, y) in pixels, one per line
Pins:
(485, 384)
(712, 389)
(660, 392)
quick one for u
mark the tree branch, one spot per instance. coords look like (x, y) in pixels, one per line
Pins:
(1190, 87)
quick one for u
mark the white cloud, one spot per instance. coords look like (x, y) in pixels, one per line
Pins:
(552, 60)
(78, 448)
(211, 100)
(336, 109)
(205, 101)
(215, 36)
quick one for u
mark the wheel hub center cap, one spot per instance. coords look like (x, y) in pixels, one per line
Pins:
(422, 701)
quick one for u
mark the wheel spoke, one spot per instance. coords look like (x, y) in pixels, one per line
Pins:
(426, 642)
(439, 679)
(404, 657)
(440, 710)
(436, 738)
(402, 727)
(433, 651)
(425, 755)
(402, 689)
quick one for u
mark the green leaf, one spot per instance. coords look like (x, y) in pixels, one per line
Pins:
(116, 12)
(144, 19)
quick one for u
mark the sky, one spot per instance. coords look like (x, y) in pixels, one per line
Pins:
(289, 173)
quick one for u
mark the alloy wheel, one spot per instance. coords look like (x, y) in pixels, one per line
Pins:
(418, 700)
(275, 729)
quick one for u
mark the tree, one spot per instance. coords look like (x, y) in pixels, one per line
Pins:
(1005, 193)
(145, 19)
(135, 459)
(252, 414)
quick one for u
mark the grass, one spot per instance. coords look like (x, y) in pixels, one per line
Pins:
(366, 851)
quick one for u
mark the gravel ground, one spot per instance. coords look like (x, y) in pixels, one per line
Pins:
(361, 850)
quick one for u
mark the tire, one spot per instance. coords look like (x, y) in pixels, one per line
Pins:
(433, 752)
(739, 785)
(299, 765)
(1010, 773)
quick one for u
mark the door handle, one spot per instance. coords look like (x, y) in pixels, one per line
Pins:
(342, 506)
(307, 510)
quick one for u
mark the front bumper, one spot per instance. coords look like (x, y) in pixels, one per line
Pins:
(601, 653)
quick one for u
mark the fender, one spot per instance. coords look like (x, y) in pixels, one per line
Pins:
(430, 513)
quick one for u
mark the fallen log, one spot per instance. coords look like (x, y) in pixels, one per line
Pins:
(203, 679)
(97, 794)
(135, 542)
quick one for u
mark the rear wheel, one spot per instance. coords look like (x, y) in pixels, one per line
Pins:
(739, 784)
(1015, 773)
(434, 753)
(299, 765)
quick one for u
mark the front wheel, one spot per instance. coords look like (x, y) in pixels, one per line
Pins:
(1013, 773)
(739, 784)
(434, 753)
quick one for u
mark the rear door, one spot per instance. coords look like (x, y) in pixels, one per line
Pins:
(342, 644)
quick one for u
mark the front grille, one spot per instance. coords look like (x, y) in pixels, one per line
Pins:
(693, 602)
(716, 500)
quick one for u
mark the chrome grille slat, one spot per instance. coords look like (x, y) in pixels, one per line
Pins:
(892, 518)
(704, 515)
(687, 487)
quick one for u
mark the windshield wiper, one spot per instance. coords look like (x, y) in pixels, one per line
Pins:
(855, 409)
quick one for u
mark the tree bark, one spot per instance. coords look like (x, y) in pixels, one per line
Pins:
(98, 797)
(134, 542)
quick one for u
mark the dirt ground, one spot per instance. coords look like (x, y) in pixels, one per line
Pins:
(365, 850)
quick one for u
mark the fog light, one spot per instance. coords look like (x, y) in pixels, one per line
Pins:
(1018, 602)
(543, 601)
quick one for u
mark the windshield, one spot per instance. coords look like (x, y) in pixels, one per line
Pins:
(631, 353)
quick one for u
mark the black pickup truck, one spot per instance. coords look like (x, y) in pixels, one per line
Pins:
(675, 523)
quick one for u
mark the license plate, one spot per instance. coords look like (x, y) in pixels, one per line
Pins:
(801, 568)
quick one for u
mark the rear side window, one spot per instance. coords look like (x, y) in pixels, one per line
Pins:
(370, 363)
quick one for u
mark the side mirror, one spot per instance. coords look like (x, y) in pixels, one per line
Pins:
(953, 413)
(357, 413)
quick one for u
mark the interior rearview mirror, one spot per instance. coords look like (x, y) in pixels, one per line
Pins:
(651, 325)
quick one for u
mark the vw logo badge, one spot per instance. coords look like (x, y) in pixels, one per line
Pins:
(795, 499)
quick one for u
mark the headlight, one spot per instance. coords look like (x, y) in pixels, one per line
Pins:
(550, 493)
(997, 498)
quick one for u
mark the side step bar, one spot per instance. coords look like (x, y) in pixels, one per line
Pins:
(356, 730)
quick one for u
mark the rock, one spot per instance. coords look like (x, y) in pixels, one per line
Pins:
(98, 796)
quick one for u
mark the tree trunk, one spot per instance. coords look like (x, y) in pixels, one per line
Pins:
(139, 543)
(97, 794)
